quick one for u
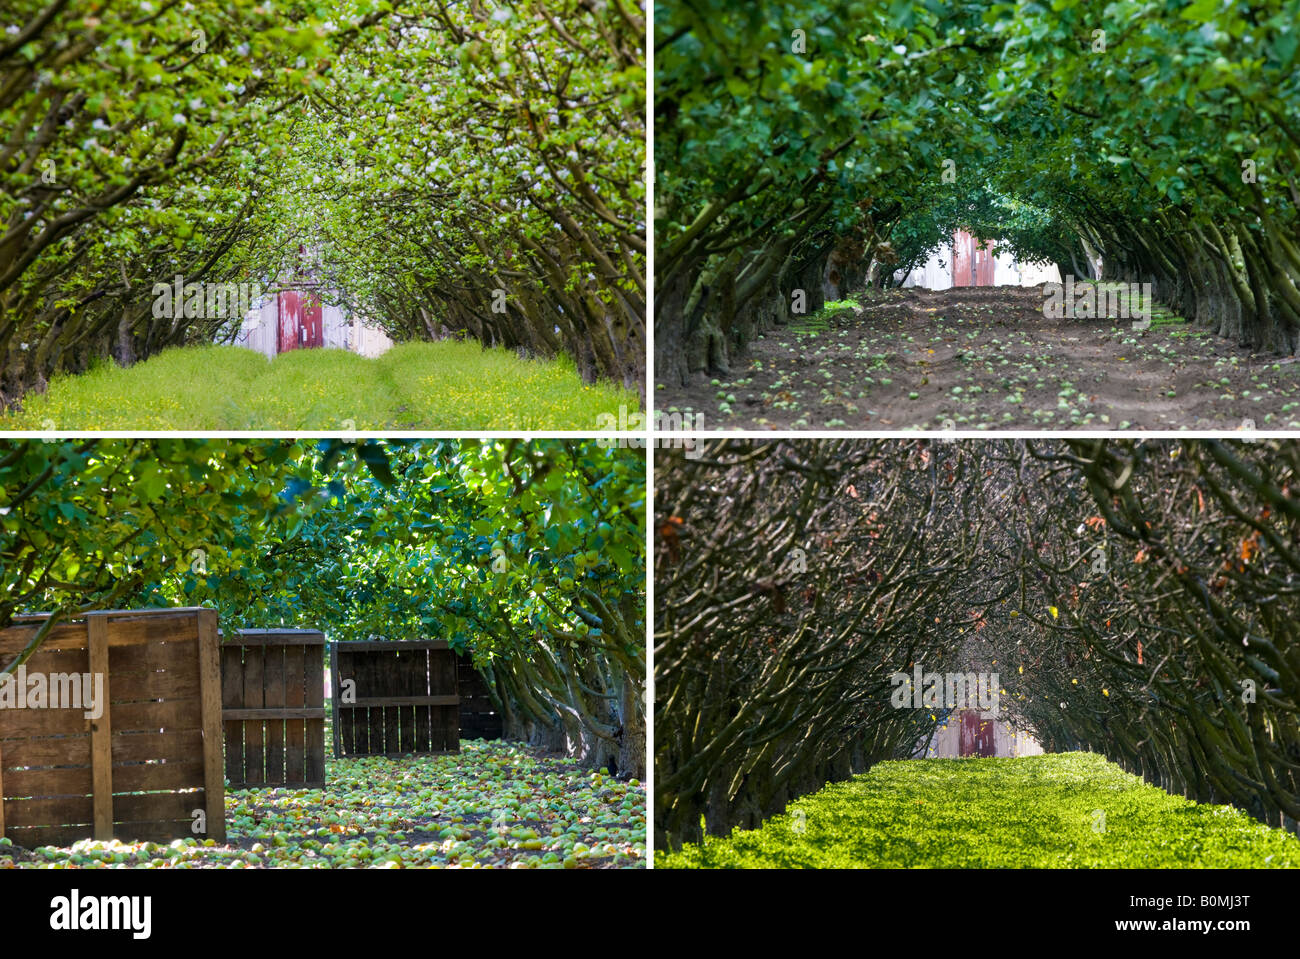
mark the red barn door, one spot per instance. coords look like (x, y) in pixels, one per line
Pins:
(972, 263)
(976, 735)
(312, 329)
(300, 321)
(963, 249)
(984, 265)
(290, 311)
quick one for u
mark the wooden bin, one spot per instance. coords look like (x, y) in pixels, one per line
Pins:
(273, 705)
(479, 718)
(148, 763)
(405, 698)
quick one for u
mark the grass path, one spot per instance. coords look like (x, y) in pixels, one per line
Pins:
(986, 358)
(494, 805)
(1037, 811)
(448, 385)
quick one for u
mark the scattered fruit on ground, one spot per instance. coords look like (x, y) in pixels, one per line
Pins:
(495, 804)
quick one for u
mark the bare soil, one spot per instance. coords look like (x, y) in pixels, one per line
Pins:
(987, 358)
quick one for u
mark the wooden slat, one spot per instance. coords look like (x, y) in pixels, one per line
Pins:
(380, 675)
(342, 718)
(314, 729)
(276, 637)
(279, 712)
(70, 781)
(295, 679)
(438, 685)
(161, 806)
(52, 811)
(367, 646)
(156, 831)
(14, 639)
(273, 697)
(139, 687)
(335, 724)
(147, 626)
(232, 698)
(386, 701)
(180, 655)
(46, 836)
(101, 732)
(393, 686)
(427, 752)
(254, 753)
(452, 714)
(158, 714)
(2, 790)
(479, 718)
(161, 613)
(412, 684)
(370, 731)
(446, 717)
(45, 660)
(138, 747)
(38, 723)
(210, 669)
(423, 714)
(360, 715)
(62, 751)
(168, 775)
(73, 664)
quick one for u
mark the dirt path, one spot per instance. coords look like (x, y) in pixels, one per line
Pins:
(987, 358)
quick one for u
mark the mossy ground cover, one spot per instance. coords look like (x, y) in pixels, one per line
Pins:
(1038, 811)
(448, 385)
(495, 804)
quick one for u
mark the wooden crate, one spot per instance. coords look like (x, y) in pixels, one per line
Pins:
(479, 718)
(152, 758)
(273, 705)
(406, 700)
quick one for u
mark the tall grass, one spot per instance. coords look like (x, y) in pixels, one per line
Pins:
(448, 385)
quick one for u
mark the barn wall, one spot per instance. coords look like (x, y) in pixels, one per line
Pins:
(339, 330)
(367, 340)
(1007, 741)
(336, 326)
(936, 272)
(258, 331)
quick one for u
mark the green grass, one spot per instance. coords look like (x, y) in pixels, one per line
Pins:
(1161, 316)
(816, 323)
(449, 385)
(1038, 811)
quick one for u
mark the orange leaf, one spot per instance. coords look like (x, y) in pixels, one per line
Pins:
(1249, 547)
